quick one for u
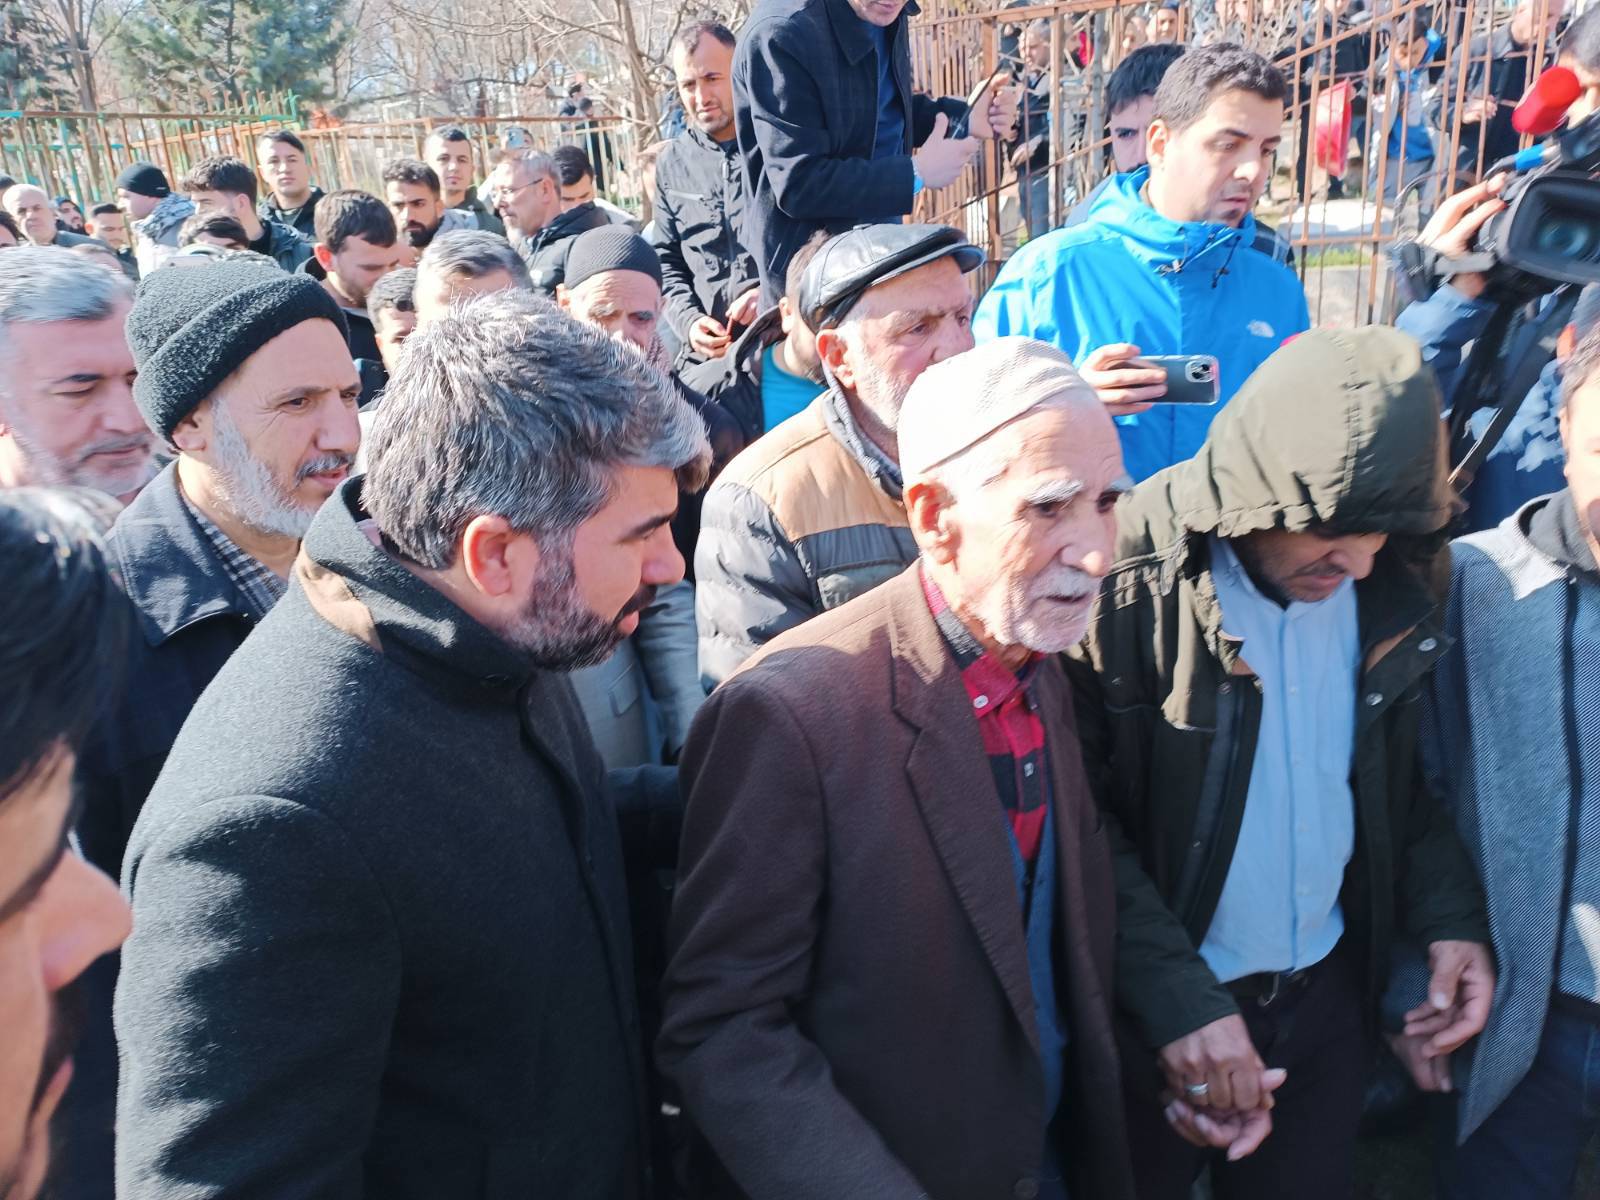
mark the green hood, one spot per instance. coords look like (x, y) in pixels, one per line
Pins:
(1338, 429)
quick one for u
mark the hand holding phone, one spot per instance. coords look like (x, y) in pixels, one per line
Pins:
(1191, 378)
(1126, 385)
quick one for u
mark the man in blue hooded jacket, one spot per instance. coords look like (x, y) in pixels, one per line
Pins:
(1164, 264)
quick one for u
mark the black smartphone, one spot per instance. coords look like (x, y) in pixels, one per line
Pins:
(1191, 378)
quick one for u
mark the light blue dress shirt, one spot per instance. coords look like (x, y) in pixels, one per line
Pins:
(1279, 909)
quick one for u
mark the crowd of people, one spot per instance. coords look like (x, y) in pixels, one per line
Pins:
(739, 708)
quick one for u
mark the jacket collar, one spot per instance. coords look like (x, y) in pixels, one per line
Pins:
(1172, 246)
(575, 220)
(836, 416)
(1553, 528)
(854, 38)
(168, 566)
(753, 342)
(361, 589)
(704, 141)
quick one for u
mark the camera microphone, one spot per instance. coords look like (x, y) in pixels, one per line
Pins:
(1546, 103)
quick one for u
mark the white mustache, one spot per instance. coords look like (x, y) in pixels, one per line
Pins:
(1067, 583)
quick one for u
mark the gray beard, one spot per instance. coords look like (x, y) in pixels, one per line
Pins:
(248, 490)
(558, 631)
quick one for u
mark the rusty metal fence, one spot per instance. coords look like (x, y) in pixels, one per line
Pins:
(1339, 117)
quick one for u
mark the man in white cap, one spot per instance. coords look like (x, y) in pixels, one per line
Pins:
(895, 904)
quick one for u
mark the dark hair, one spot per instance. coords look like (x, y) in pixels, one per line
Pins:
(104, 210)
(1581, 42)
(393, 290)
(689, 36)
(63, 623)
(413, 171)
(220, 173)
(574, 88)
(6, 181)
(450, 133)
(1411, 28)
(351, 213)
(285, 136)
(572, 164)
(217, 225)
(1188, 88)
(798, 264)
(1139, 75)
(1582, 368)
(9, 224)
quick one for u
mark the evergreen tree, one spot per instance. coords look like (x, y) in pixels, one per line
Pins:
(204, 53)
(33, 62)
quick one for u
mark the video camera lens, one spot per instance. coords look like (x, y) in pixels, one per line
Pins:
(1548, 234)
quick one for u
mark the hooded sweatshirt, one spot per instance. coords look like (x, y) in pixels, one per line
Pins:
(1128, 274)
(1340, 431)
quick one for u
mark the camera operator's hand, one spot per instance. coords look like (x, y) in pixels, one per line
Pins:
(1125, 387)
(1474, 111)
(993, 107)
(942, 158)
(1454, 227)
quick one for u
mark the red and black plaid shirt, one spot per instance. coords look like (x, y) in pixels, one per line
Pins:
(1008, 720)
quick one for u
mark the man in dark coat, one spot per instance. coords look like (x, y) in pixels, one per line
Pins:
(527, 194)
(383, 940)
(711, 287)
(1247, 702)
(894, 936)
(1482, 91)
(831, 132)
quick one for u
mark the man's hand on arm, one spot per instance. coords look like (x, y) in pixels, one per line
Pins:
(1429, 1074)
(942, 158)
(1125, 388)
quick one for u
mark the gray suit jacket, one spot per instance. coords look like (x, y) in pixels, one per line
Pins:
(1498, 750)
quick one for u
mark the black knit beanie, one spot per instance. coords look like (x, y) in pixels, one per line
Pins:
(191, 327)
(144, 179)
(610, 248)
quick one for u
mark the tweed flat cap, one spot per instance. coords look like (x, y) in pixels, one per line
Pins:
(955, 404)
(851, 262)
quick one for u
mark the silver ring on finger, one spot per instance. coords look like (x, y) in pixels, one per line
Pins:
(1197, 1091)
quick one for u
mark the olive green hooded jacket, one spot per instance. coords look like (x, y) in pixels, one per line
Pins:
(1337, 431)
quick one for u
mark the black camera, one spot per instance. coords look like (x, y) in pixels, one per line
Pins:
(1549, 233)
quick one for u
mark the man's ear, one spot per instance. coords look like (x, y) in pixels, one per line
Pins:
(499, 561)
(831, 349)
(323, 255)
(1156, 139)
(563, 297)
(193, 434)
(929, 510)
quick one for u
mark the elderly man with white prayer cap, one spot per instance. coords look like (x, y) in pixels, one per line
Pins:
(896, 909)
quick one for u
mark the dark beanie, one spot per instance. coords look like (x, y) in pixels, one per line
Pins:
(610, 248)
(144, 179)
(190, 328)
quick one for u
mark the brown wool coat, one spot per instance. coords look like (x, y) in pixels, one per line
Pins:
(848, 1008)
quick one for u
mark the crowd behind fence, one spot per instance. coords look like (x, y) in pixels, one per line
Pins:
(1338, 247)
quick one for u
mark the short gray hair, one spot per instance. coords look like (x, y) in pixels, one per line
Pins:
(507, 406)
(473, 253)
(40, 285)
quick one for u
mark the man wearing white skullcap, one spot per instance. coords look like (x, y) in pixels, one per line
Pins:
(896, 905)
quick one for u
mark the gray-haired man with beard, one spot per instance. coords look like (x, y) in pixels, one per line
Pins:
(244, 374)
(383, 942)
